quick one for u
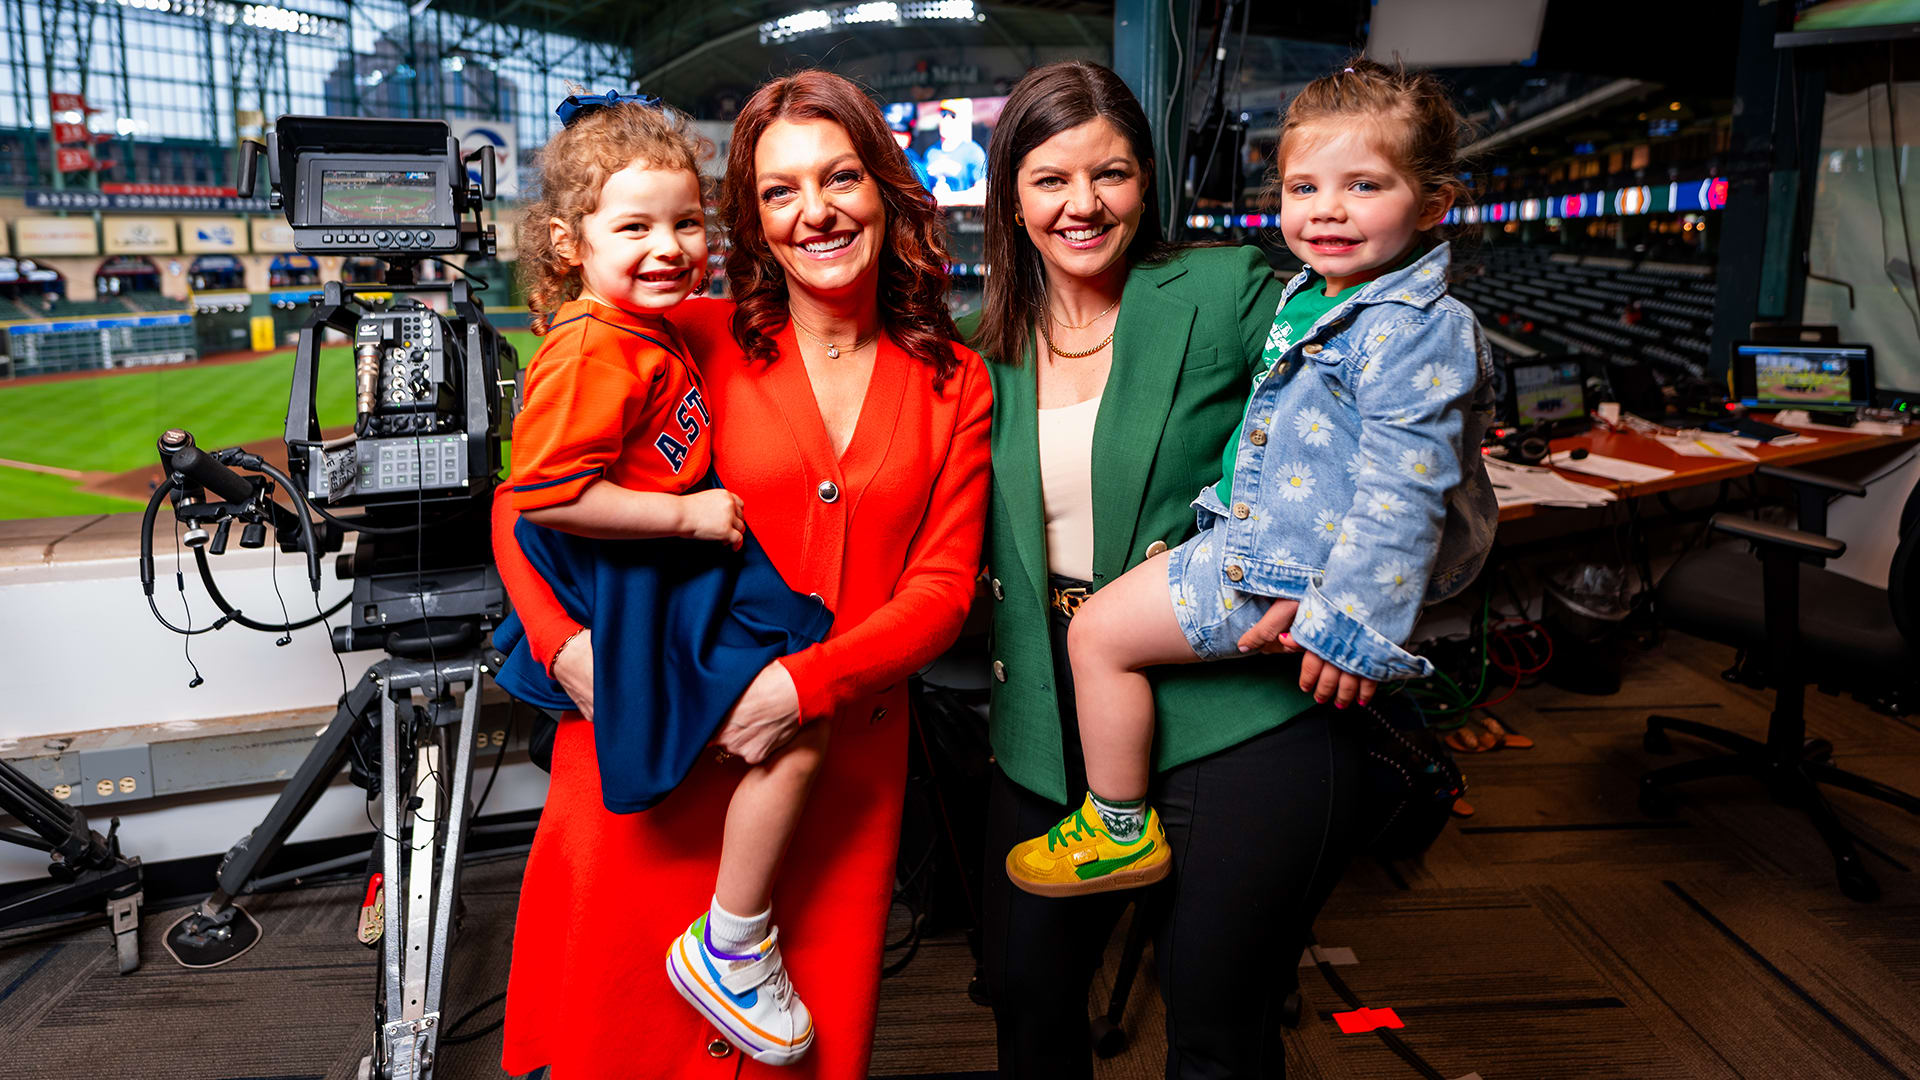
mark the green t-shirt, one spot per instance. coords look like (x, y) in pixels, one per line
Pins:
(1290, 324)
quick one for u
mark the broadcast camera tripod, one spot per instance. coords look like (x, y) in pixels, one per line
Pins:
(85, 864)
(423, 827)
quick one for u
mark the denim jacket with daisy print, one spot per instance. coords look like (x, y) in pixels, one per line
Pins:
(1358, 486)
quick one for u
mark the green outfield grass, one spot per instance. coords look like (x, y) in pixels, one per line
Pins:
(108, 422)
(25, 494)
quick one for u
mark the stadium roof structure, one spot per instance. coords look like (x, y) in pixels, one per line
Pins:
(681, 45)
(743, 40)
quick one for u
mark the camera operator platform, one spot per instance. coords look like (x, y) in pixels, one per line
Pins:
(434, 393)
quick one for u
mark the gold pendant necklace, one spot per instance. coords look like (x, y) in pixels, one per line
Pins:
(1055, 318)
(1065, 355)
(833, 351)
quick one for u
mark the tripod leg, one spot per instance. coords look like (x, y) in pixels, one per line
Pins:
(219, 930)
(455, 843)
(56, 822)
(395, 1051)
(309, 782)
(422, 832)
(420, 937)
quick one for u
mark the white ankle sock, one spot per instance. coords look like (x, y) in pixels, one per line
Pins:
(1124, 819)
(736, 934)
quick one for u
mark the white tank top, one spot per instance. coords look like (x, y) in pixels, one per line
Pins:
(1066, 486)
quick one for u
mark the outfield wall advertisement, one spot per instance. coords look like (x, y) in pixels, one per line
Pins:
(140, 236)
(271, 236)
(211, 236)
(56, 236)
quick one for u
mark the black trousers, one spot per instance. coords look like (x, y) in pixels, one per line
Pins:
(1261, 833)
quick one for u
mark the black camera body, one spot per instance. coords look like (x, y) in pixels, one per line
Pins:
(434, 390)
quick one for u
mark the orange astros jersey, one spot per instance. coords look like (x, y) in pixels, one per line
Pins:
(609, 394)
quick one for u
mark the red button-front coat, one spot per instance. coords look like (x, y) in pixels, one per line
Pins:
(893, 545)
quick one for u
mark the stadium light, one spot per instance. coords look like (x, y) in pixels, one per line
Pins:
(800, 22)
(878, 11)
(867, 13)
(260, 16)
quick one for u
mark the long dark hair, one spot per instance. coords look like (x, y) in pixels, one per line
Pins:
(1048, 101)
(913, 260)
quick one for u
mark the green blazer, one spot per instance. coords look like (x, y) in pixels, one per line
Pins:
(1190, 332)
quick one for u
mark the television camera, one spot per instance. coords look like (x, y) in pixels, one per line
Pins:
(434, 391)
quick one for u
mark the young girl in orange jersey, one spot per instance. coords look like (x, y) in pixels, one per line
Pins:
(619, 514)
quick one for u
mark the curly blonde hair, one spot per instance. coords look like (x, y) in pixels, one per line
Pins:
(574, 167)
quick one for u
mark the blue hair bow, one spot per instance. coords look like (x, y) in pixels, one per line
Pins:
(581, 104)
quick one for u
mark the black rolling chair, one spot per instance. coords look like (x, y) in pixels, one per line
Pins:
(1802, 620)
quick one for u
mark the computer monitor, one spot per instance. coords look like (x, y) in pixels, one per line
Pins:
(1548, 392)
(1802, 376)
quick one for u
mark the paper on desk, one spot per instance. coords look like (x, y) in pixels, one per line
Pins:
(1612, 468)
(1800, 418)
(1702, 444)
(1517, 485)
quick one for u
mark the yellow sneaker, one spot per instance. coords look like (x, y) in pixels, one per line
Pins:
(1078, 857)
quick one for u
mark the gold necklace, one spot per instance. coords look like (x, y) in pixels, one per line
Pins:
(833, 351)
(1063, 354)
(1052, 317)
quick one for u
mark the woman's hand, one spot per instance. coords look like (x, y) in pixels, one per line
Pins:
(764, 718)
(573, 670)
(1324, 682)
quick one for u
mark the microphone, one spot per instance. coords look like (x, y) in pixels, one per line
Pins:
(178, 454)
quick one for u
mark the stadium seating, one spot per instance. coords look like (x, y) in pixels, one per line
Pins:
(1656, 313)
(150, 301)
(84, 309)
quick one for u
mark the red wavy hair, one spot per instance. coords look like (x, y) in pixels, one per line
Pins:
(913, 260)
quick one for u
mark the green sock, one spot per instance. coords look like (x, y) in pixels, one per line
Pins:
(1124, 818)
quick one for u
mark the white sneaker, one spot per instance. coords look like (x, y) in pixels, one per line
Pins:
(747, 997)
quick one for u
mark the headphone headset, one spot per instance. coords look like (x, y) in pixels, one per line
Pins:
(1524, 448)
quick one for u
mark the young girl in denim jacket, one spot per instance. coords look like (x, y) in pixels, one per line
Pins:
(1353, 493)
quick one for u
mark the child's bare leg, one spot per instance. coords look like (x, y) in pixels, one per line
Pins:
(1126, 626)
(734, 939)
(761, 819)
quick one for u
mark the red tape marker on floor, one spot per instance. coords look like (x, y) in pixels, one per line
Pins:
(1363, 1020)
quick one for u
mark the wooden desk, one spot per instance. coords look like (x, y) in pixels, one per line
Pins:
(1694, 471)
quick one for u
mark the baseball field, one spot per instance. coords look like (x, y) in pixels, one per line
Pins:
(1806, 384)
(84, 444)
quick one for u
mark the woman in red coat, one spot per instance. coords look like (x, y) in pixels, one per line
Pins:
(856, 433)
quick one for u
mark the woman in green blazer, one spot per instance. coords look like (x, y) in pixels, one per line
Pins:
(1120, 368)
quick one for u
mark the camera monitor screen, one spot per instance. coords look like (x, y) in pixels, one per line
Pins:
(1548, 391)
(378, 196)
(1835, 14)
(1793, 376)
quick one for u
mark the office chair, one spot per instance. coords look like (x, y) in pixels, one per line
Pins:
(1801, 618)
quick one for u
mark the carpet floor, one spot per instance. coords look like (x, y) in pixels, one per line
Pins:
(1557, 933)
